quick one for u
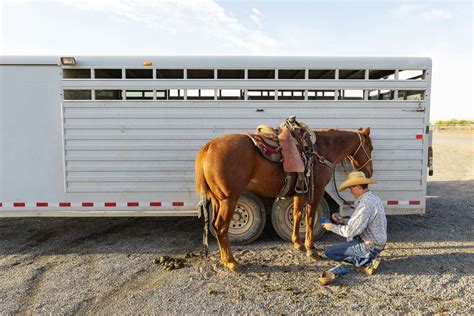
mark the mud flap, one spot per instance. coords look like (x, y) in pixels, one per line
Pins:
(430, 153)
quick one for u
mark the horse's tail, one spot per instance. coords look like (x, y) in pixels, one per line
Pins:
(203, 188)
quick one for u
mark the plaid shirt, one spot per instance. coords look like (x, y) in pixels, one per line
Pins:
(368, 221)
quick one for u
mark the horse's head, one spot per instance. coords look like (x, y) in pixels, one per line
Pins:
(361, 157)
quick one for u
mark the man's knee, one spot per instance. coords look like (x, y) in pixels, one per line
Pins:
(332, 253)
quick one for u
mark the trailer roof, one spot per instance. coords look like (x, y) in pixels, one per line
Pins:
(227, 61)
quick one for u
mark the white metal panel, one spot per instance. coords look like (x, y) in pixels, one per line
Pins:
(31, 152)
(404, 106)
(29, 60)
(96, 212)
(262, 62)
(148, 130)
(236, 84)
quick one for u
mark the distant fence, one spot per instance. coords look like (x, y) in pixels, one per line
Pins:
(452, 127)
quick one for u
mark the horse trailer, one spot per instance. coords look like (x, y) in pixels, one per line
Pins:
(118, 136)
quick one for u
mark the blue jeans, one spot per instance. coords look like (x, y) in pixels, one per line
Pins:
(355, 252)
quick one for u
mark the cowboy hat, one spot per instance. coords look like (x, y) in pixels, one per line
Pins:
(355, 178)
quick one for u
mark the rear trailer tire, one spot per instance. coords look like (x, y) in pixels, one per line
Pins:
(282, 219)
(248, 220)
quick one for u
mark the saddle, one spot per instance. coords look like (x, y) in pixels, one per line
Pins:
(293, 144)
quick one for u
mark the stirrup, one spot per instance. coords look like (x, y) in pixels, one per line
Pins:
(298, 191)
(300, 185)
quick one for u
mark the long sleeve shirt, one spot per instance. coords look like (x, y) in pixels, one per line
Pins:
(368, 221)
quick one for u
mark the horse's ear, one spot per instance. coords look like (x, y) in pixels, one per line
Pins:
(360, 129)
(367, 131)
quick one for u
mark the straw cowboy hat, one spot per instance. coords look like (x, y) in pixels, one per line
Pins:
(355, 178)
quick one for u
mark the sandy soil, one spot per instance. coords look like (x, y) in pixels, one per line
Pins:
(105, 265)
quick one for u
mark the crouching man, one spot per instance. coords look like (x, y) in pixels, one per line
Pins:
(366, 230)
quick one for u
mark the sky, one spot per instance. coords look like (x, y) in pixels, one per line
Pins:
(442, 30)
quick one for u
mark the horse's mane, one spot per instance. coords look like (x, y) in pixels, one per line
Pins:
(333, 131)
(330, 130)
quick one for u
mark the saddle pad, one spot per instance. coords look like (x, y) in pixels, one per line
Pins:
(292, 161)
(267, 151)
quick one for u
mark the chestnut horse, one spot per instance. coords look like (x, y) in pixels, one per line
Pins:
(229, 164)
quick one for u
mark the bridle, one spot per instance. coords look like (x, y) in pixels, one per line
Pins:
(352, 159)
(353, 163)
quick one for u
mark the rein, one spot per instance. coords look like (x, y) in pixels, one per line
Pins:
(337, 191)
(323, 160)
(353, 161)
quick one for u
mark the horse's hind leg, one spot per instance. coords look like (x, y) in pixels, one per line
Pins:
(298, 202)
(221, 226)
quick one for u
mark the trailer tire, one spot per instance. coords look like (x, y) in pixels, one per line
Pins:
(248, 221)
(282, 219)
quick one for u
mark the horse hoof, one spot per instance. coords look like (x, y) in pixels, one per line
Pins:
(298, 247)
(312, 253)
(233, 266)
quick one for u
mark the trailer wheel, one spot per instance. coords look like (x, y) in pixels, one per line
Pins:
(248, 221)
(282, 219)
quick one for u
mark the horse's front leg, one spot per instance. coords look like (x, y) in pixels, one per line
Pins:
(310, 218)
(298, 202)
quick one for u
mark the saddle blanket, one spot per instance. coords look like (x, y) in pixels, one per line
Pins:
(269, 152)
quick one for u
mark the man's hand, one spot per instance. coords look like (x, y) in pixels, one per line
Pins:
(327, 226)
(338, 219)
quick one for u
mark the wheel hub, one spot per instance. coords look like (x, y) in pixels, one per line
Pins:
(241, 220)
(291, 220)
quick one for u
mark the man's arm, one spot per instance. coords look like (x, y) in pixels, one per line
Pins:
(357, 223)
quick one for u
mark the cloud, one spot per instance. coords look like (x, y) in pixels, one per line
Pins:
(203, 21)
(437, 15)
(257, 17)
(419, 11)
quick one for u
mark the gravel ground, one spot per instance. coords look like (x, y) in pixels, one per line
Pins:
(105, 265)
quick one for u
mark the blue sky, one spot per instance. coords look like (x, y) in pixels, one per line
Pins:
(441, 30)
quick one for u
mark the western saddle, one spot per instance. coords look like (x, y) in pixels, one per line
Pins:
(293, 144)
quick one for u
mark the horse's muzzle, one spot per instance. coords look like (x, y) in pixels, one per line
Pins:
(368, 173)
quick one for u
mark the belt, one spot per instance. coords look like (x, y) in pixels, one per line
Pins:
(373, 245)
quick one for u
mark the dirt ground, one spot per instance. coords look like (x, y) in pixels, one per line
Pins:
(105, 265)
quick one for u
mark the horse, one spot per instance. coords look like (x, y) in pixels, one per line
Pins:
(229, 164)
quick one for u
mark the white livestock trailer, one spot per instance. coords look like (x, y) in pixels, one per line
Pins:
(118, 136)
